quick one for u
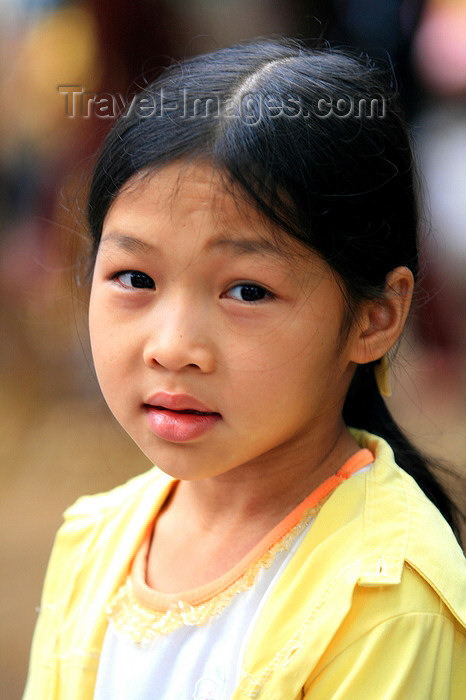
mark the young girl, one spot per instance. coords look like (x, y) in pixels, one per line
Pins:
(254, 234)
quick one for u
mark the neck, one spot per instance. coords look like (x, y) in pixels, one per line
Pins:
(265, 492)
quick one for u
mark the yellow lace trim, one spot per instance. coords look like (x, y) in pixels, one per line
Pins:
(141, 624)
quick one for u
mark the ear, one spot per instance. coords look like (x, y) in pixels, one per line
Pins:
(381, 321)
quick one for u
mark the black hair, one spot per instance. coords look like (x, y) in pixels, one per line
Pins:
(316, 140)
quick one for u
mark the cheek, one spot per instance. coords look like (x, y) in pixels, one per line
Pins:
(302, 343)
(301, 367)
(98, 333)
(285, 370)
(106, 342)
(96, 319)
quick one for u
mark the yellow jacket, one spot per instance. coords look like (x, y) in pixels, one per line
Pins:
(372, 605)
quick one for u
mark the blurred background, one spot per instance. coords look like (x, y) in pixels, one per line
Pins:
(57, 439)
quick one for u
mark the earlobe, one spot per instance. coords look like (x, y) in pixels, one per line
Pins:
(381, 321)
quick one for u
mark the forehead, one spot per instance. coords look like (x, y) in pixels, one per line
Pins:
(179, 189)
(198, 197)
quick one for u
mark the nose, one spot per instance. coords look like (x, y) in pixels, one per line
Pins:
(179, 337)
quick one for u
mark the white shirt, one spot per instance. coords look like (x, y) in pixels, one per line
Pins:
(192, 662)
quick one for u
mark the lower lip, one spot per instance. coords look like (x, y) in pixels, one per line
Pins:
(179, 427)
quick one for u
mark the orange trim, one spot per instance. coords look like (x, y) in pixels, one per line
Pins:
(162, 601)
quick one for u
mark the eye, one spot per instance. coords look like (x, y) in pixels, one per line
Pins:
(132, 279)
(248, 292)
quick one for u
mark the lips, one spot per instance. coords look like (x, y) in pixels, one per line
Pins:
(178, 402)
(179, 417)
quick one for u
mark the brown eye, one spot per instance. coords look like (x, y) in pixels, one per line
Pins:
(248, 292)
(132, 279)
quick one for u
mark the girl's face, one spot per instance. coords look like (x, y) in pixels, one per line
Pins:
(217, 345)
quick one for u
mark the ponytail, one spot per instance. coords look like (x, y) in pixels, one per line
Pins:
(365, 408)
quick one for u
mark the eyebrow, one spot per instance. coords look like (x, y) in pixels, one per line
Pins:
(129, 243)
(240, 246)
(244, 246)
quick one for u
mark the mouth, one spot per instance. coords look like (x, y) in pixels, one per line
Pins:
(178, 403)
(179, 417)
(185, 411)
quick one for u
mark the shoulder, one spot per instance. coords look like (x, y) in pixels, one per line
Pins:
(99, 538)
(379, 577)
(139, 493)
(379, 539)
(403, 631)
(95, 526)
(125, 496)
(90, 559)
(402, 528)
